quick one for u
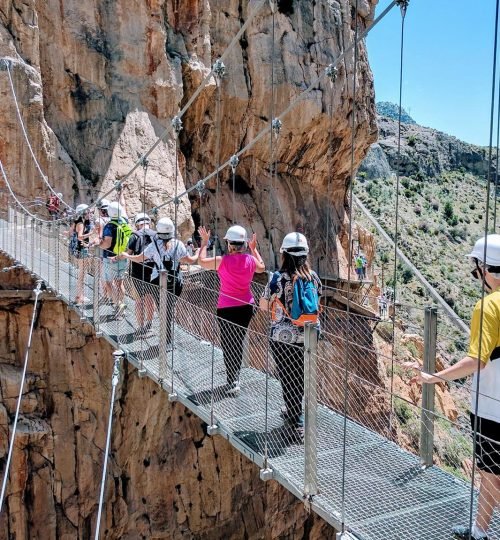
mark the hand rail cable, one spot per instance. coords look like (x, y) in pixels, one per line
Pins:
(145, 165)
(291, 105)
(349, 271)
(403, 6)
(118, 355)
(118, 185)
(37, 292)
(483, 268)
(26, 138)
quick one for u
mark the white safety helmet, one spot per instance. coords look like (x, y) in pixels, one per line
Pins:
(295, 244)
(59, 195)
(115, 210)
(142, 218)
(81, 208)
(236, 234)
(165, 228)
(103, 204)
(492, 250)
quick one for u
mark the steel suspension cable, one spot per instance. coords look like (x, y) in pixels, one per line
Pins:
(403, 4)
(118, 355)
(26, 138)
(497, 161)
(349, 271)
(37, 292)
(219, 70)
(484, 268)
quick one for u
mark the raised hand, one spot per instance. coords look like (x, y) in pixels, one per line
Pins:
(204, 234)
(252, 243)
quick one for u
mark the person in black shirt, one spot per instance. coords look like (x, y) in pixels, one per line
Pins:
(82, 230)
(141, 273)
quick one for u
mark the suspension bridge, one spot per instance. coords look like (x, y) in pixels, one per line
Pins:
(352, 467)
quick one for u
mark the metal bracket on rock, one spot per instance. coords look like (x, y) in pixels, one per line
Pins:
(234, 161)
(213, 430)
(276, 126)
(266, 474)
(219, 68)
(331, 72)
(177, 124)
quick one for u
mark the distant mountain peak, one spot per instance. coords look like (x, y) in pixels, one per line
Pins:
(391, 110)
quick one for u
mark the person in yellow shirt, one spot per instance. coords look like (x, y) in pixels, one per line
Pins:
(483, 361)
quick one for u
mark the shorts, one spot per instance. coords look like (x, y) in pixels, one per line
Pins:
(114, 269)
(487, 444)
(82, 253)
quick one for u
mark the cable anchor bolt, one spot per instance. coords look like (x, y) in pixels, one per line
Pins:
(177, 124)
(154, 211)
(266, 474)
(276, 126)
(234, 161)
(200, 187)
(272, 4)
(331, 72)
(118, 356)
(144, 162)
(118, 186)
(176, 201)
(403, 5)
(219, 68)
(213, 430)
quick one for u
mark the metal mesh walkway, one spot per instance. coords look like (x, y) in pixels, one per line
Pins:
(366, 482)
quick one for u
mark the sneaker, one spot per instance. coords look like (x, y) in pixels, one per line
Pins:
(120, 310)
(464, 533)
(297, 421)
(233, 389)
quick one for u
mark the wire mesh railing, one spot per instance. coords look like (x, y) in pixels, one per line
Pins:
(335, 419)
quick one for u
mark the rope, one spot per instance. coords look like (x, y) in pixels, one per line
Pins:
(37, 292)
(349, 265)
(118, 355)
(483, 281)
(404, 5)
(26, 138)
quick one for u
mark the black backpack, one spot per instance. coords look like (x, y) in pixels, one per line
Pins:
(142, 271)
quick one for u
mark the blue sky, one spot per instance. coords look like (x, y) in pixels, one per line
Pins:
(448, 64)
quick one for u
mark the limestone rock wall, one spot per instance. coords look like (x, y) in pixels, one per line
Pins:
(167, 478)
(98, 82)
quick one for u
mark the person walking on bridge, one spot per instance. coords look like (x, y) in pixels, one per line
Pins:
(483, 361)
(167, 253)
(79, 245)
(235, 303)
(292, 295)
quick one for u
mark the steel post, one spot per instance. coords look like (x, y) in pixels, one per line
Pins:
(95, 296)
(32, 246)
(163, 354)
(428, 390)
(57, 257)
(311, 407)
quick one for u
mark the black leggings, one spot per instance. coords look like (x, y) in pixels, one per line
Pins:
(289, 360)
(233, 324)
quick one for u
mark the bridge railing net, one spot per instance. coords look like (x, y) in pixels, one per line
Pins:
(366, 410)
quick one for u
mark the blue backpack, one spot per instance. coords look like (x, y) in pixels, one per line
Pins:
(305, 303)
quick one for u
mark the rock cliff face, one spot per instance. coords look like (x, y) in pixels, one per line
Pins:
(97, 82)
(424, 151)
(167, 478)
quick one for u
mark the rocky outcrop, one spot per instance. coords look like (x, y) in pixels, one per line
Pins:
(424, 151)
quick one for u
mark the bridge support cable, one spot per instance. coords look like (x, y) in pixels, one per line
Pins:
(25, 134)
(177, 127)
(484, 267)
(219, 70)
(118, 356)
(497, 163)
(349, 272)
(403, 4)
(37, 291)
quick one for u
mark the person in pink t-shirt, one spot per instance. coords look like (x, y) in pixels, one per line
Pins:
(235, 303)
